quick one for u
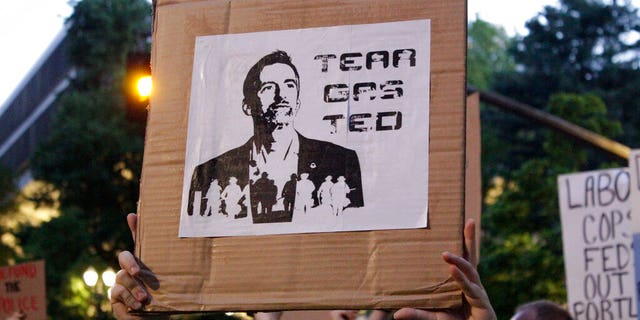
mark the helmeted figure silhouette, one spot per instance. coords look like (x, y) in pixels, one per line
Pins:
(213, 198)
(339, 199)
(324, 192)
(231, 196)
(304, 192)
(263, 189)
(289, 194)
(271, 97)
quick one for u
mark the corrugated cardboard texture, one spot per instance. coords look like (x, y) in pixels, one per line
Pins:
(347, 270)
(473, 172)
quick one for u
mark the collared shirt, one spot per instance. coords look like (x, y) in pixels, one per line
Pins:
(279, 164)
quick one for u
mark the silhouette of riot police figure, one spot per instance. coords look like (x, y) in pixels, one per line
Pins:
(272, 99)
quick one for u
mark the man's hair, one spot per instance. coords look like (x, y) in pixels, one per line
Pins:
(252, 82)
(542, 310)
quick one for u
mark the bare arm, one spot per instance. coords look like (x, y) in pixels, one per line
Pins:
(463, 271)
(129, 291)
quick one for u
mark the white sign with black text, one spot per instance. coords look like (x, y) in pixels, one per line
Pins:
(595, 210)
(308, 130)
(634, 169)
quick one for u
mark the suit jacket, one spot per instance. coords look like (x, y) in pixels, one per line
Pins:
(317, 158)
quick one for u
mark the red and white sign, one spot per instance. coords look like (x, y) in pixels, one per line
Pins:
(22, 288)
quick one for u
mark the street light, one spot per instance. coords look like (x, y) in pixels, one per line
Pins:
(109, 279)
(91, 278)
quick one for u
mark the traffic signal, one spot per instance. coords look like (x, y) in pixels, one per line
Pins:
(144, 87)
(138, 85)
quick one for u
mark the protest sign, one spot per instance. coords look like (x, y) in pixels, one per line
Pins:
(376, 99)
(634, 169)
(339, 168)
(22, 288)
(595, 210)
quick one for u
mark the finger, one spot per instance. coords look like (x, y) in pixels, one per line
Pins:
(121, 312)
(469, 289)
(464, 266)
(470, 241)
(137, 269)
(132, 286)
(128, 263)
(120, 294)
(148, 277)
(414, 314)
(132, 221)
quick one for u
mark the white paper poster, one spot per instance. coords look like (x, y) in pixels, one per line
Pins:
(308, 130)
(595, 210)
(634, 169)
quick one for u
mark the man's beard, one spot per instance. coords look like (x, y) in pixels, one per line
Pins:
(277, 116)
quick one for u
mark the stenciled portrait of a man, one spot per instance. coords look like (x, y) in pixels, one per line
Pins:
(277, 168)
(280, 140)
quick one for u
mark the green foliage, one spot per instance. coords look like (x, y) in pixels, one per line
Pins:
(103, 33)
(93, 155)
(487, 58)
(8, 203)
(487, 53)
(62, 243)
(587, 111)
(581, 46)
(522, 243)
(93, 159)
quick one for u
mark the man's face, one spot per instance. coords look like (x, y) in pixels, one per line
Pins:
(278, 95)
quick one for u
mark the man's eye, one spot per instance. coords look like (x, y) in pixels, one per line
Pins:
(291, 85)
(266, 88)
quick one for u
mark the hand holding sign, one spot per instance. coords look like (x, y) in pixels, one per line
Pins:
(463, 270)
(129, 292)
(17, 315)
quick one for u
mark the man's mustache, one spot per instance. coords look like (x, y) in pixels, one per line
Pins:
(280, 104)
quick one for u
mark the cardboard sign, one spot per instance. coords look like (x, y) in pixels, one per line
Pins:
(22, 288)
(393, 260)
(284, 138)
(473, 172)
(634, 169)
(595, 209)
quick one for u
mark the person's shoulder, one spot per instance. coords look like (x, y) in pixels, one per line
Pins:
(229, 156)
(227, 159)
(325, 146)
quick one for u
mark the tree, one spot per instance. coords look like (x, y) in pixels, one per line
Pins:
(488, 57)
(103, 34)
(8, 203)
(522, 241)
(581, 46)
(92, 157)
(487, 53)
